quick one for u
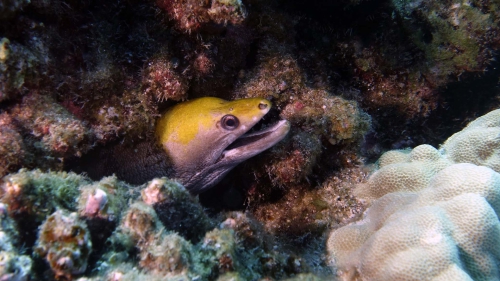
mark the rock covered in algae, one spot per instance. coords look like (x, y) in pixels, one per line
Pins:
(190, 15)
(64, 242)
(83, 229)
(319, 118)
(467, 30)
(238, 246)
(104, 199)
(13, 152)
(13, 265)
(33, 195)
(56, 132)
(176, 208)
(162, 81)
(20, 67)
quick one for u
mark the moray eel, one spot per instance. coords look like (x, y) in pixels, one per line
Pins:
(198, 143)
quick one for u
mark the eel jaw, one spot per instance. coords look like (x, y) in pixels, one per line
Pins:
(249, 145)
(243, 148)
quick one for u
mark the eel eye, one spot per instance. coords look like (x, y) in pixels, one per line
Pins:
(230, 122)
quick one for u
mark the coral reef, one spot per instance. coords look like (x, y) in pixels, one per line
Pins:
(309, 212)
(239, 245)
(34, 195)
(85, 230)
(58, 132)
(177, 209)
(477, 143)
(104, 199)
(64, 241)
(457, 37)
(412, 170)
(13, 153)
(13, 266)
(321, 123)
(425, 204)
(190, 15)
(354, 78)
(161, 81)
(436, 225)
(20, 68)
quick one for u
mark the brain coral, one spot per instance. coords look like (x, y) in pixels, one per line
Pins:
(434, 216)
(447, 231)
(478, 143)
(412, 170)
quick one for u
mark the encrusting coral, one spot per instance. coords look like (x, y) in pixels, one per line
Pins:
(430, 218)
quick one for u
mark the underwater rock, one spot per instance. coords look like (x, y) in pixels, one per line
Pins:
(191, 15)
(320, 120)
(20, 67)
(57, 132)
(161, 81)
(13, 152)
(170, 254)
(177, 209)
(13, 265)
(64, 242)
(34, 195)
(104, 199)
(469, 32)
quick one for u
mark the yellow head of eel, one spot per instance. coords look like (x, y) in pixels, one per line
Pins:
(205, 138)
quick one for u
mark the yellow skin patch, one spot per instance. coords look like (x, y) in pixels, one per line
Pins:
(191, 132)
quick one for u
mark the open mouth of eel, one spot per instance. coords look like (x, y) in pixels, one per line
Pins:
(254, 142)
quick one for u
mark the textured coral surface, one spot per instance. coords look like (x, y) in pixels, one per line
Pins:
(430, 219)
(81, 79)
